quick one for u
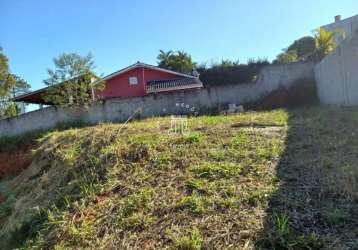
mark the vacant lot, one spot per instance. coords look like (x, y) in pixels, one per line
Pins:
(280, 179)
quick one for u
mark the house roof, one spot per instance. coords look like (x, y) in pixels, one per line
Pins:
(37, 95)
(140, 65)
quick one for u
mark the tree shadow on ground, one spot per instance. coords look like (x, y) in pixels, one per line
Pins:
(316, 203)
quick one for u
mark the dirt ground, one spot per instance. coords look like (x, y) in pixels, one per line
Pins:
(12, 163)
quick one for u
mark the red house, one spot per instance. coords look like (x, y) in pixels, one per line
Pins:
(136, 80)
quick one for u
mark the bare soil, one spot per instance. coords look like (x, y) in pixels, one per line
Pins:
(12, 163)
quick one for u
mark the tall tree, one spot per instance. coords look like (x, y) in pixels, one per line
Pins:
(10, 86)
(68, 66)
(178, 61)
(71, 80)
(20, 87)
(164, 58)
(7, 80)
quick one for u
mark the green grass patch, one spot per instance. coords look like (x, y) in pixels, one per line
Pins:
(216, 170)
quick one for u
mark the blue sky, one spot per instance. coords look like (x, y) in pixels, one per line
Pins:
(119, 33)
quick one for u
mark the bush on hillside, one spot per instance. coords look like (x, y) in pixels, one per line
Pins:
(232, 73)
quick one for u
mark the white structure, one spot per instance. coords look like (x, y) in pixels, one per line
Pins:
(347, 26)
(337, 74)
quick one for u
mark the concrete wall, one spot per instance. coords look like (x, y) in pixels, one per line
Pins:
(337, 75)
(269, 79)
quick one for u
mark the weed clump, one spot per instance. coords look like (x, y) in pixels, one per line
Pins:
(191, 240)
(193, 203)
(194, 137)
(283, 237)
(216, 170)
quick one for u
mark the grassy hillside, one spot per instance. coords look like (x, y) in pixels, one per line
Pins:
(279, 179)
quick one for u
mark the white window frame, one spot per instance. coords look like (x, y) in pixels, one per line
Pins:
(133, 80)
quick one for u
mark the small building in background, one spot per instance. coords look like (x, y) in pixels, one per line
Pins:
(347, 26)
(337, 74)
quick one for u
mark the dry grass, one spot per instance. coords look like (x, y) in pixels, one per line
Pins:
(255, 180)
(319, 177)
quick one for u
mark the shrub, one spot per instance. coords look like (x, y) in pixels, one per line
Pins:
(283, 237)
(232, 74)
(194, 137)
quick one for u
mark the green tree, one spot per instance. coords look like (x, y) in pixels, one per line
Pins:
(325, 41)
(11, 110)
(287, 57)
(10, 86)
(164, 58)
(8, 107)
(20, 87)
(7, 80)
(178, 61)
(304, 47)
(308, 47)
(71, 81)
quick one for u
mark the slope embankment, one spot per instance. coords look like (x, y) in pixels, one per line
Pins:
(268, 180)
